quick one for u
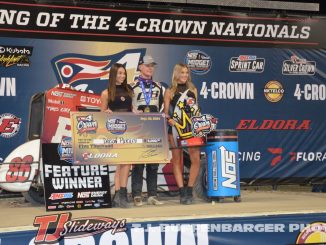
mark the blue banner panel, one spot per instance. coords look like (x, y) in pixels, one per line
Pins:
(269, 230)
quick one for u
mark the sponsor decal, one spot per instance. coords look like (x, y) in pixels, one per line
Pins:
(228, 167)
(52, 108)
(248, 124)
(9, 125)
(65, 149)
(8, 86)
(19, 170)
(88, 194)
(247, 63)
(61, 94)
(203, 125)
(87, 155)
(228, 91)
(116, 126)
(314, 233)
(298, 66)
(91, 100)
(273, 91)
(64, 226)
(309, 92)
(86, 124)
(15, 56)
(58, 196)
(57, 102)
(198, 62)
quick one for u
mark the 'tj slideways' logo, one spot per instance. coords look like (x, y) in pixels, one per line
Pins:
(52, 228)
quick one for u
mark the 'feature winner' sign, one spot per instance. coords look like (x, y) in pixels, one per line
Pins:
(119, 138)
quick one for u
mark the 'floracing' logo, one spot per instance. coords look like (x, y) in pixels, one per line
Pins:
(202, 125)
(52, 228)
(86, 124)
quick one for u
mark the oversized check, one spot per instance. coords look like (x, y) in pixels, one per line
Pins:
(119, 138)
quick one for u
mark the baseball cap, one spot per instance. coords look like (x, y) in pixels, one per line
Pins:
(147, 59)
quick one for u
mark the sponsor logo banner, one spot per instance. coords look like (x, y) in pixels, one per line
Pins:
(15, 55)
(247, 63)
(298, 66)
(198, 62)
(68, 228)
(72, 187)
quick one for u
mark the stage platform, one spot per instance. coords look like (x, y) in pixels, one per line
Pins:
(17, 215)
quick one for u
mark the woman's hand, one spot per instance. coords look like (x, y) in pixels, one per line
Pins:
(171, 122)
(108, 111)
(137, 111)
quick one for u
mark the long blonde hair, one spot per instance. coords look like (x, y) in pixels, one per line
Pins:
(175, 77)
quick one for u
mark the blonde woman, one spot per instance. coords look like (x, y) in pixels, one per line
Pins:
(181, 83)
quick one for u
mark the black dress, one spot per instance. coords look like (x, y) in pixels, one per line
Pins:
(122, 101)
(181, 88)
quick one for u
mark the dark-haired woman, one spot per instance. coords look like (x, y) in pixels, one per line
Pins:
(118, 98)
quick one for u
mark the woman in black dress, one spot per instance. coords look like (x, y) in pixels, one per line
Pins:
(118, 98)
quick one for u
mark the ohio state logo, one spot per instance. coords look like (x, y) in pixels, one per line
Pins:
(9, 125)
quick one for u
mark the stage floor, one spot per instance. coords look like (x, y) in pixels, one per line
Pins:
(16, 214)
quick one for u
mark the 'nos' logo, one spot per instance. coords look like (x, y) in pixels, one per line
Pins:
(229, 168)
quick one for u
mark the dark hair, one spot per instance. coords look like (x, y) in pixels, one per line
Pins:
(112, 80)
